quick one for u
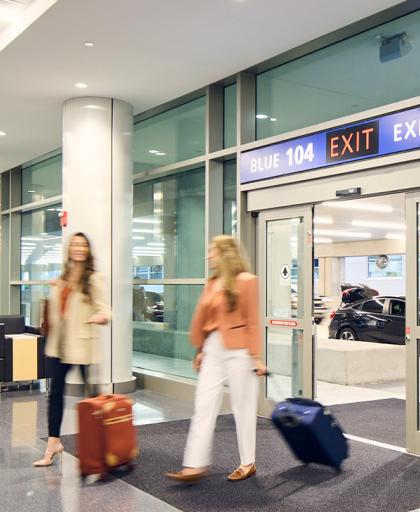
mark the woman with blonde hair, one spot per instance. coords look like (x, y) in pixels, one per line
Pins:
(226, 330)
(76, 305)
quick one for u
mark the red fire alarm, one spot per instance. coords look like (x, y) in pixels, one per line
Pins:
(63, 218)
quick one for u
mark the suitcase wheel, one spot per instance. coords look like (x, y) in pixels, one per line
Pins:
(83, 478)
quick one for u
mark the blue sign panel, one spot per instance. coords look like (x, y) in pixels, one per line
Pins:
(380, 136)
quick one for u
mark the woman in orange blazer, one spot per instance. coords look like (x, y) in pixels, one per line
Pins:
(226, 330)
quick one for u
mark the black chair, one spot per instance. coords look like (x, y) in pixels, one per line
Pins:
(22, 350)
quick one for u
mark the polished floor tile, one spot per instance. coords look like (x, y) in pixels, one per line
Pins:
(23, 422)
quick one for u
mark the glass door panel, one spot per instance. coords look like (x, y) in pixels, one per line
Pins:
(285, 256)
(413, 323)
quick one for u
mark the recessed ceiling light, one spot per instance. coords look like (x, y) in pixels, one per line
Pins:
(160, 153)
(80, 85)
(89, 43)
(338, 232)
(273, 119)
(323, 240)
(31, 191)
(395, 236)
(2, 134)
(261, 116)
(370, 207)
(153, 151)
(373, 224)
(323, 220)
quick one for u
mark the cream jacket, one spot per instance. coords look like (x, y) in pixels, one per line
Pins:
(72, 339)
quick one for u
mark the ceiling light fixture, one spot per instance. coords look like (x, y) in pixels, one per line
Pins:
(31, 191)
(272, 119)
(89, 44)
(153, 151)
(395, 236)
(2, 134)
(80, 85)
(160, 153)
(261, 116)
(369, 207)
(340, 233)
(323, 220)
(370, 224)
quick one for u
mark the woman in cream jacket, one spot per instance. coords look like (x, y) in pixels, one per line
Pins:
(227, 332)
(76, 307)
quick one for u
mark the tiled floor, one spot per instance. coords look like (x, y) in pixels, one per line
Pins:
(22, 487)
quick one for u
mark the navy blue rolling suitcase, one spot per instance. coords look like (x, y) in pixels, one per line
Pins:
(311, 432)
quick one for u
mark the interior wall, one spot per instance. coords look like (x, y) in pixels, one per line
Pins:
(356, 270)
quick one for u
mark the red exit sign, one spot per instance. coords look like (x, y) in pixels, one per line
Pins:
(354, 142)
(284, 323)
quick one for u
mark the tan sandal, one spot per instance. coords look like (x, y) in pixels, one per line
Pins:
(241, 473)
(182, 476)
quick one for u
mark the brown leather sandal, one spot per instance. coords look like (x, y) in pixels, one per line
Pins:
(241, 474)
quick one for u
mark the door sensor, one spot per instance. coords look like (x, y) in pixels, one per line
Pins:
(356, 191)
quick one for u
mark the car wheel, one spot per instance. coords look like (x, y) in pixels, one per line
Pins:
(347, 334)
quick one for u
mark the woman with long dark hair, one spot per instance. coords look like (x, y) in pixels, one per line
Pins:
(76, 306)
(226, 331)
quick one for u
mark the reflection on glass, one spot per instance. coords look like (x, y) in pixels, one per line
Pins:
(284, 273)
(161, 320)
(302, 92)
(168, 227)
(230, 116)
(41, 244)
(42, 180)
(173, 136)
(229, 198)
(30, 303)
(284, 358)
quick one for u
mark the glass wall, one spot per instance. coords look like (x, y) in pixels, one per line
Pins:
(229, 198)
(176, 135)
(162, 316)
(168, 227)
(31, 297)
(42, 180)
(339, 80)
(168, 243)
(229, 116)
(41, 246)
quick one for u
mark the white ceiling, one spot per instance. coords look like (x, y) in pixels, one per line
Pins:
(146, 52)
(378, 224)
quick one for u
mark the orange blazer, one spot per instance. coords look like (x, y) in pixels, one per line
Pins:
(240, 328)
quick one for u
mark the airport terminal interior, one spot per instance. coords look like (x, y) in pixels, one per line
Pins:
(153, 126)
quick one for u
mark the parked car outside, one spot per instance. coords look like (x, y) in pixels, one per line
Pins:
(380, 319)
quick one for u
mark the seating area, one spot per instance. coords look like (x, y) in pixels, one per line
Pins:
(22, 355)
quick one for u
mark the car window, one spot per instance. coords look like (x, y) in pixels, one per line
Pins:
(373, 306)
(398, 307)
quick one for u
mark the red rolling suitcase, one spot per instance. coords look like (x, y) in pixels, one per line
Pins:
(107, 438)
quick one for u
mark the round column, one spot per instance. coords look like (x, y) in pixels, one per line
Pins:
(98, 199)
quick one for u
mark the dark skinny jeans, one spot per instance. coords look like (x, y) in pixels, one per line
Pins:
(59, 372)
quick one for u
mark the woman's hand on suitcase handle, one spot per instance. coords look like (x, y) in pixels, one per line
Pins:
(259, 367)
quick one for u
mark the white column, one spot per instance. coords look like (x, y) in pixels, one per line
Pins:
(98, 196)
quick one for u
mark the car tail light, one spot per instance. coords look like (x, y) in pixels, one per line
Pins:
(332, 314)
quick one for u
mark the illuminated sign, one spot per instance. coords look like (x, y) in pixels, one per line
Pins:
(385, 135)
(284, 323)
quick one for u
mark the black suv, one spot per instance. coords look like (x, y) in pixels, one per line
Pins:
(380, 319)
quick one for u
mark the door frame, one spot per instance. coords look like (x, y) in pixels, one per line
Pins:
(412, 322)
(306, 323)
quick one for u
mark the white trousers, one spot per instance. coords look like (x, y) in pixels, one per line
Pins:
(218, 365)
